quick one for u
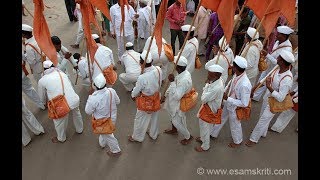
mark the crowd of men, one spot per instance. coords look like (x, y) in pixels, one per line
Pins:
(144, 75)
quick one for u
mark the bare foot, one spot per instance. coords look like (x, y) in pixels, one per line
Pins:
(113, 154)
(250, 143)
(131, 139)
(171, 131)
(55, 140)
(198, 139)
(234, 145)
(199, 149)
(269, 129)
(186, 141)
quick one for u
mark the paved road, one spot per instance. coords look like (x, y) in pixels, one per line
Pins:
(81, 158)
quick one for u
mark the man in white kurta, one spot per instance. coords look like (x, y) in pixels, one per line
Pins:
(32, 52)
(31, 121)
(282, 43)
(144, 23)
(28, 89)
(201, 23)
(223, 58)
(80, 33)
(278, 85)
(238, 95)
(98, 105)
(115, 23)
(179, 86)
(251, 53)
(131, 62)
(191, 48)
(212, 95)
(50, 86)
(162, 60)
(83, 69)
(148, 83)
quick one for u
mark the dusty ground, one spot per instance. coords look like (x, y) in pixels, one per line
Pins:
(81, 158)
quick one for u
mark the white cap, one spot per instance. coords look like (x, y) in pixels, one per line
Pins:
(215, 68)
(251, 31)
(187, 27)
(100, 81)
(284, 30)
(26, 27)
(225, 45)
(143, 56)
(95, 36)
(287, 56)
(144, 2)
(47, 63)
(182, 61)
(241, 62)
(129, 44)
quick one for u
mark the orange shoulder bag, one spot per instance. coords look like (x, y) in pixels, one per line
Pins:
(108, 73)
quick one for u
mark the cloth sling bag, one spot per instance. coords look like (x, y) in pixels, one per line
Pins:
(197, 62)
(276, 106)
(188, 100)
(103, 125)
(58, 106)
(149, 103)
(108, 73)
(263, 65)
(168, 51)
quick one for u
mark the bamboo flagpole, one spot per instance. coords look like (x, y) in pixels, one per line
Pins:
(28, 11)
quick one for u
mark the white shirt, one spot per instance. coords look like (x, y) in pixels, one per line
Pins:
(144, 22)
(104, 57)
(190, 52)
(281, 91)
(98, 104)
(50, 85)
(154, 51)
(274, 55)
(148, 82)
(63, 62)
(83, 67)
(252, 57)
(32, 56)
(212, 94)
(131, 62)
(115, 23)
(177, 89)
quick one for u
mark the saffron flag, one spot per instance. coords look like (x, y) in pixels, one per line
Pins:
(257, 6)
(41, 32)
(159, 24)
(271, 16)
(288, 10)
(211, 4)
(102, 6)
(121, 4)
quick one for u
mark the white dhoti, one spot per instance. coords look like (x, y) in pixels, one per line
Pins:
(205, 134)
(28, 89)
(25, 135)
(128, 80)
(141, 123)
(62, 124)
(259, 92)
(179, 121)
(129, 38)
(283, 120)
(111, 141)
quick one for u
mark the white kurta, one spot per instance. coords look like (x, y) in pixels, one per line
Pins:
(98, 105)
(252, 57)
(50, 86)
(30, 120)
(212, 95)
(223, 62)
(148, 84)
(190, 52)
(279, 93)
(201, 23)
(272, 61)
(131, 63)
(239, 97)
(161, 60)
(34, 58)
(104, 57)
(80, 33)
(176, 90)
(144, 26)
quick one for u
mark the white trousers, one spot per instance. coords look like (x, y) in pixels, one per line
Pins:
(80, 36)
(128, 81)
(235, 125)
(283, 120)
(261, 128)
(30, 120)
(259, 92)
(181, 124)
(141, 123)
(205, 134)
(111, 141)
(129, 38)
(62, 124)
(28, 89)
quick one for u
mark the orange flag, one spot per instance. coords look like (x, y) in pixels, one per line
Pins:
(92, 18)
(258, 7)
(288, 10)
(226, 11)
(159, 24)
(85, 8)
(121, 4)
(211, 4)
(41, 32)
(271, 16)
(102, 6)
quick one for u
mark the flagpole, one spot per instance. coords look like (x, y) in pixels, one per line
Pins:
(28, 11)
